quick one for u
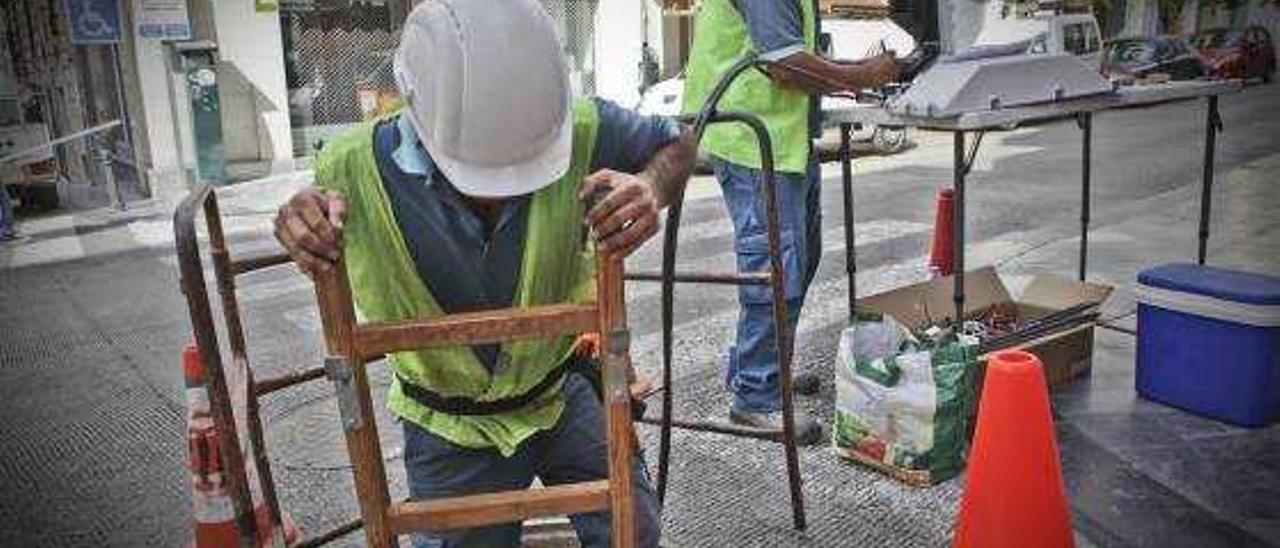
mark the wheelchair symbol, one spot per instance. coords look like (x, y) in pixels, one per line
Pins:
(91, 23)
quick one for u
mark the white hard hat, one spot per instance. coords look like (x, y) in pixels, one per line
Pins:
(487, 89)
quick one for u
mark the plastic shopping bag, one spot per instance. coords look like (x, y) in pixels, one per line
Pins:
(902, 408)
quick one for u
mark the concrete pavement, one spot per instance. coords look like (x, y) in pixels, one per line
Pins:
(90, 384)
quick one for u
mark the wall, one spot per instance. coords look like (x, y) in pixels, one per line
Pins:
(961, 21)
(159, 146)
(1142, 18)
(967, 18)
(619, 33)
(1265, 13)
(252, 89)
(252, 92)
(653, 32)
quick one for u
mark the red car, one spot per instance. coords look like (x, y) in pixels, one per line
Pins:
(1237, 53)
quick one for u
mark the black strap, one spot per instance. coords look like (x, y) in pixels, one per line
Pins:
(453, 405)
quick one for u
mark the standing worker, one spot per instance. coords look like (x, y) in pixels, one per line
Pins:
(471, 199)
(782, 33)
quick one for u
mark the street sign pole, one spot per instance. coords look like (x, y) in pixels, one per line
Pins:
(127, 129)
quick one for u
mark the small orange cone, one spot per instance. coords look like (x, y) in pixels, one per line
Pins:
(214, 511)
(1014, 496)
(941, 262)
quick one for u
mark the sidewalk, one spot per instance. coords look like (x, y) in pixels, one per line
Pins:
(247, 210)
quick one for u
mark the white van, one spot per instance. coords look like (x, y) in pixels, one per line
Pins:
(1075, 34)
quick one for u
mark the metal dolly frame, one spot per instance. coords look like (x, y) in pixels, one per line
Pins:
(351, 344)
(774, 278)
(226, 269)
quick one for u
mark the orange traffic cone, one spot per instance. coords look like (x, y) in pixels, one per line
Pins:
(214, 511)
(1014, 496)
(941, 262)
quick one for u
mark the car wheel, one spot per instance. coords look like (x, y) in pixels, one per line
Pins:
(37, 198)
(1268, 75)
(889, 140)
(43, 197)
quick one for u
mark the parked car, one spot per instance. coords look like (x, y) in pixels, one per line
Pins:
(1237, 53)
(1150, 59)
(663, 98)
(1071, 34)
(853, 39)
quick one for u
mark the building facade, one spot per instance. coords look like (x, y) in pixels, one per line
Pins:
(230, 90)
(236, 89)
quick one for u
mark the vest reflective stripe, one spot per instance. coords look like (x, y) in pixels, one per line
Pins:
(720, 40)
(386, 286)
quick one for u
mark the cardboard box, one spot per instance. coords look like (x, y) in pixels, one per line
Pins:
(1066, 354)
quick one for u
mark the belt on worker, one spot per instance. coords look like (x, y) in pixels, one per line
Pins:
(455, 405)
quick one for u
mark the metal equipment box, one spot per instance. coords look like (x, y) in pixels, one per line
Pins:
(1209, 342)
(992, 77)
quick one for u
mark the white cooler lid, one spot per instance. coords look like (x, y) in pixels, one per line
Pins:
(1239, 297)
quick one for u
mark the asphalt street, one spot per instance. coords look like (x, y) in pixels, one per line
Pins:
(93, 325)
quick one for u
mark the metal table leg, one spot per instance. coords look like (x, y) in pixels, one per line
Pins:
(850, 252)
(1213, 123)
(957, 245)
(1086, 127)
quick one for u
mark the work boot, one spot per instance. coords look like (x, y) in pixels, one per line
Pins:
(808, 431)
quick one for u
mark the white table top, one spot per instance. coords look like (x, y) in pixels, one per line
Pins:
(836, 111)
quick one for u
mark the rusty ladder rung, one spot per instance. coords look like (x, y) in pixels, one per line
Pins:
(489, 326)
(258, 262)
(492, 508)
(744, 278)
(273, 384)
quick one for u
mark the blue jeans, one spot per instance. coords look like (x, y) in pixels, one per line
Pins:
(573, 451)
(6, 214)
(752, 372)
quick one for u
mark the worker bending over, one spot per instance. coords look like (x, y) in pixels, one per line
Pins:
(471, 199)
(782, 32)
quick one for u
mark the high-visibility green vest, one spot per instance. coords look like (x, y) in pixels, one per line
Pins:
(386, 285)
(720, 40)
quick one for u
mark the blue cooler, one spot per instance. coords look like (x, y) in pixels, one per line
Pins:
(1209, 342)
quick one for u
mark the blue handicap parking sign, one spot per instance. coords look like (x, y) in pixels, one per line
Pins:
(93, 21)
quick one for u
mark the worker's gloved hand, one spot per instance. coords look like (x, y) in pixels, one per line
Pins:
(309, 226)
(627, 216)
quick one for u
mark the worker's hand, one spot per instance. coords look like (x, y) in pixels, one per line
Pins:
(627, 216)
(879, 70)
(309, 226)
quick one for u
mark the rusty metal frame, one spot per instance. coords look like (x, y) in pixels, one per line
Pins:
(226, 268)
(350, 343)
(775, 278)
